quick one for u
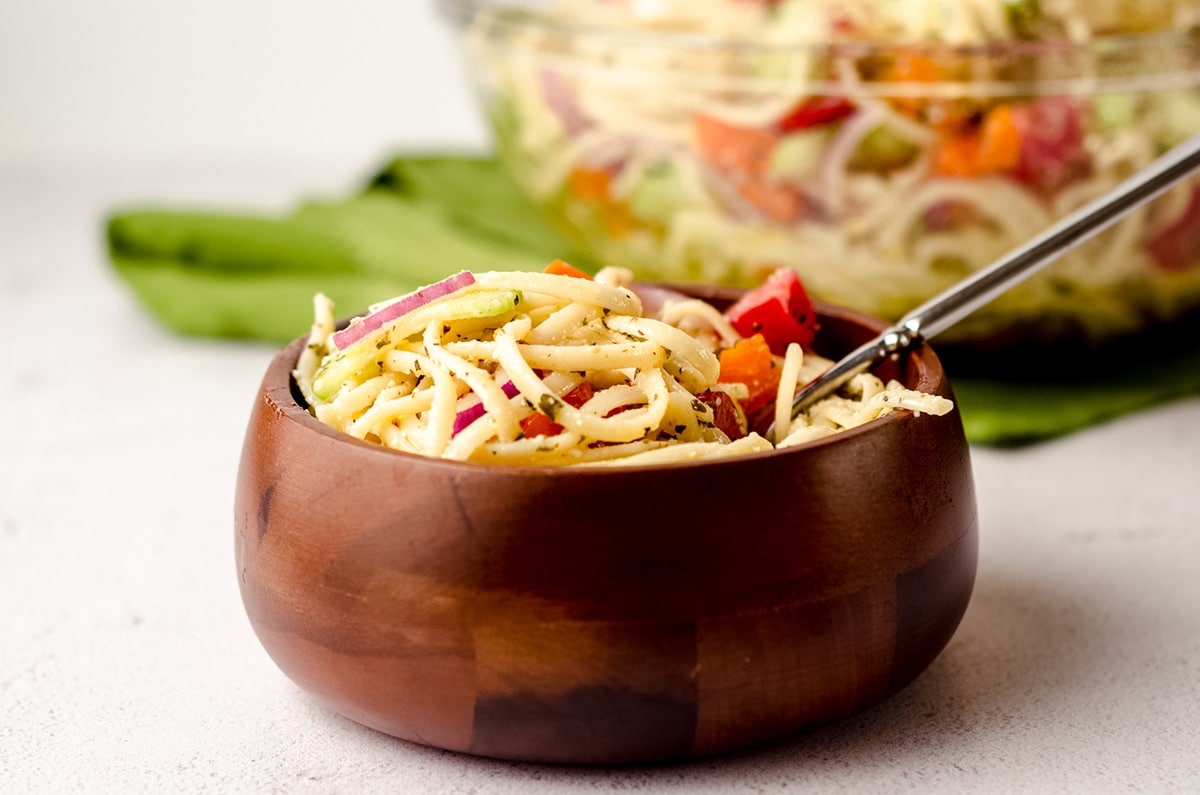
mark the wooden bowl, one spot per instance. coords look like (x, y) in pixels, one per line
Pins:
(607, 615)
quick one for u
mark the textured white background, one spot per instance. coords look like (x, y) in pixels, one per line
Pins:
(89, 79)
(126, 662)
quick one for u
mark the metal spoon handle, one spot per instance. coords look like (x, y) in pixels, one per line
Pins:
(944, 310)
(952, 305)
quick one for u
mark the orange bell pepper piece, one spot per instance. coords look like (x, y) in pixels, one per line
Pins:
(995, 148)
(750, 362)
(911, 68)
(782, 203)
(744, 154)
(593, 186)
(999, 141)
(589, 184)
(560, 268)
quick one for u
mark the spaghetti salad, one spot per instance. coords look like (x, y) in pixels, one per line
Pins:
(558, 368)
(884, 149)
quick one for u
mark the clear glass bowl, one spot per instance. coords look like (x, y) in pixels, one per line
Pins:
(881, 172)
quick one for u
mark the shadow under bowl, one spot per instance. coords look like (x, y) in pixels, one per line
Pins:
(611, 615)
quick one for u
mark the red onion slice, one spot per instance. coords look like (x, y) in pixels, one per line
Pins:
(831, 179)
(560, 99)
(476, 409)
(400, 307)
(655, 297)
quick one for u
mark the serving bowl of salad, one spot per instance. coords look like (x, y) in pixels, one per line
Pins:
(524, 595)
(883, 150)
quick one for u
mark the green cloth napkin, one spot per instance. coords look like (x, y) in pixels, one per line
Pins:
(253, 276)
(1011, 413)
(246, 275)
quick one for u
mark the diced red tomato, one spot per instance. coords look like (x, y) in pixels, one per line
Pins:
(612, 413)
(733, 149)
(779, 310)
(617, 410)
(1177, 247)
(813, 112)
(950, 214)
(842, 23)
(560, 268)
(726, 416)
(1051, 133)
(743, 154)
(579, 395)
(781, 202)
(538, 424)
(750, 362)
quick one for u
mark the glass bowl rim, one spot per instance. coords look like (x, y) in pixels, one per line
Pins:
(517, 15)
(1156, 61)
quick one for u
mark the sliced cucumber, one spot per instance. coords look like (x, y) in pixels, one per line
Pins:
(657, 195)
(883, 150)
(797, 154)
(344, 365)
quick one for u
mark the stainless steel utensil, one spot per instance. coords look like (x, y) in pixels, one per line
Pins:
(952, 305)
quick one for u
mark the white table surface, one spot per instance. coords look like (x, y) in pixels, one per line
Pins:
(127, 663)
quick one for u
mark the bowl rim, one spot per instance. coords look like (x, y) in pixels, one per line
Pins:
(462, 12)
(279, 388)
(1139, 58)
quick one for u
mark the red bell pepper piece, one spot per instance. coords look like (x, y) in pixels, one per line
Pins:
(725, 413)
(579, 395)
(1177, 247)
(780, 310)
(538, 424)
(743, 154)
(813, 112)
(1051, 132)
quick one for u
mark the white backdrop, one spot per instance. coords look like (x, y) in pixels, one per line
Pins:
(83, 80)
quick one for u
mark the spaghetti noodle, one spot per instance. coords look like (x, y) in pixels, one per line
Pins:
(549, 369)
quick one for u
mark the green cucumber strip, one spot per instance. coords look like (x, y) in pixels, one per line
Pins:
(345, 364)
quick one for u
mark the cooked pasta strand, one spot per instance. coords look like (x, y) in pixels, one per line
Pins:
(466, 376)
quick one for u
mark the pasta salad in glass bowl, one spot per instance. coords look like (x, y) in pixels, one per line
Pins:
(882, 150)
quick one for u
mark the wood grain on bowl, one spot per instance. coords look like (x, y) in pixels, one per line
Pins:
(606, 615)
